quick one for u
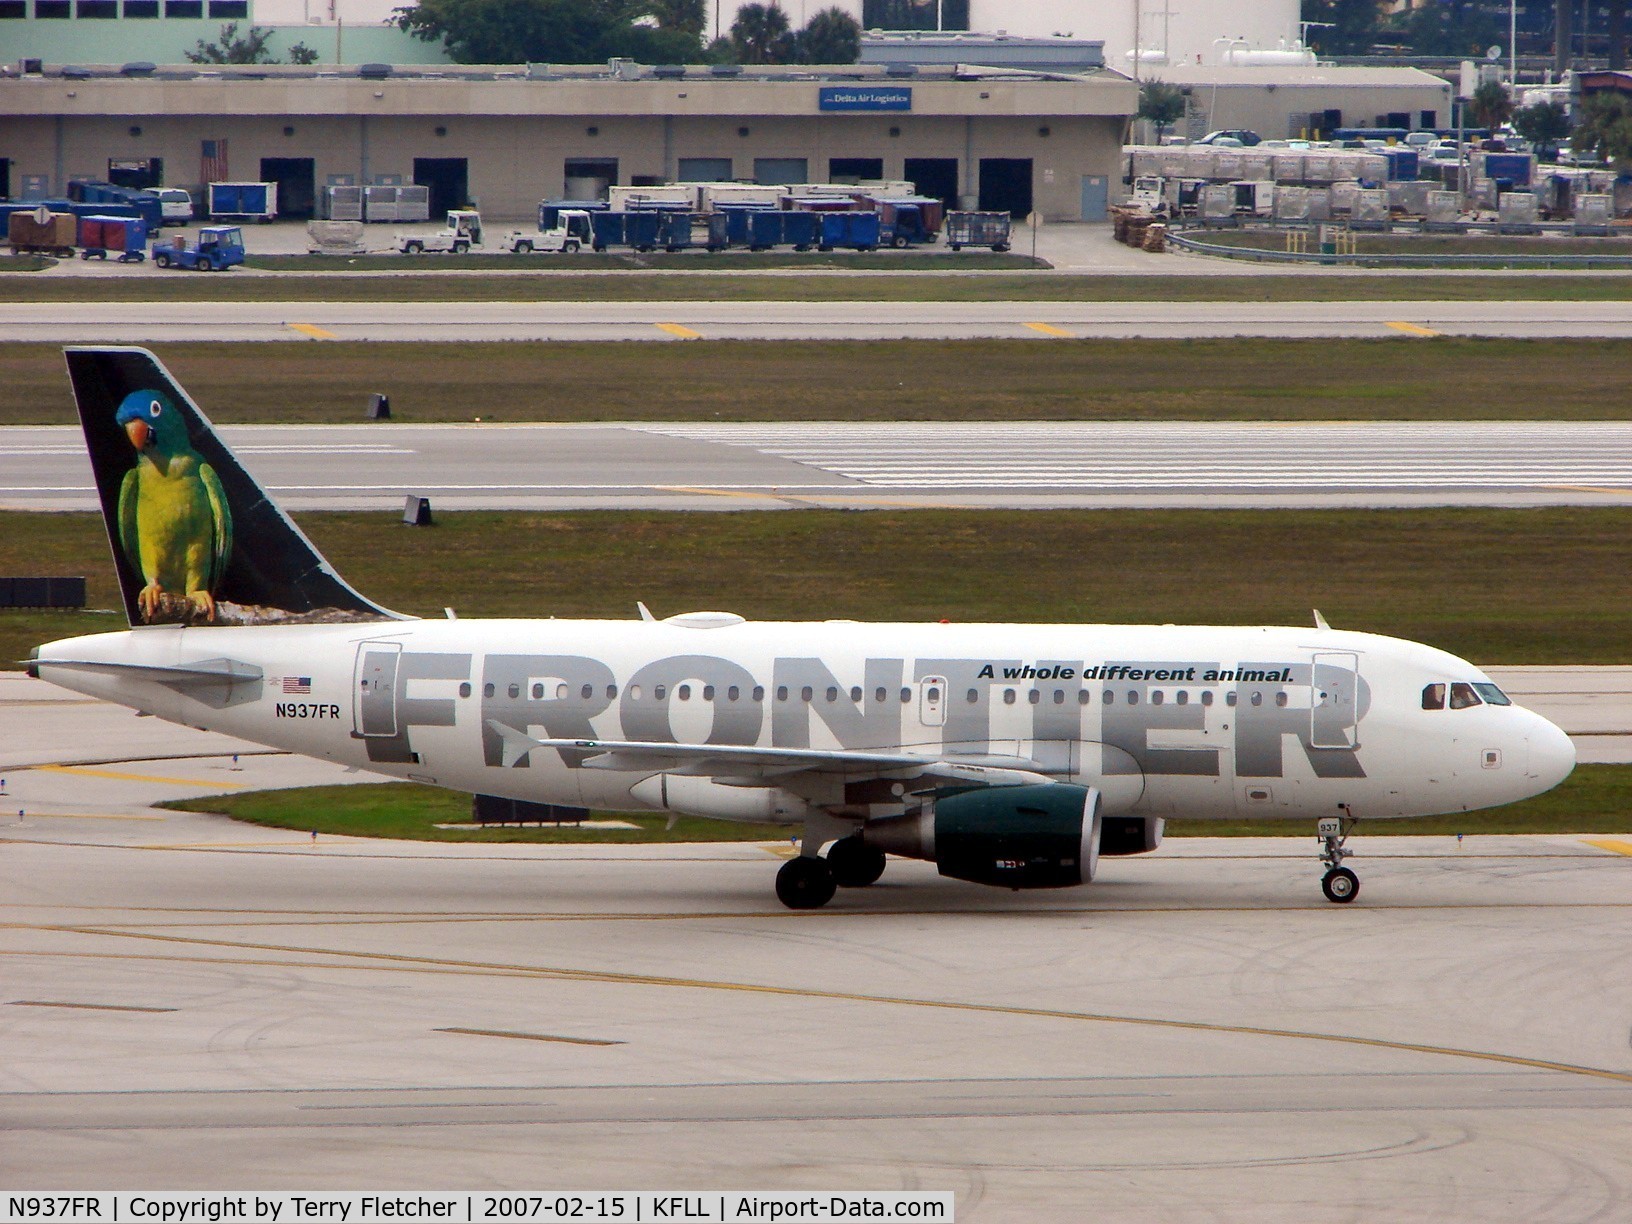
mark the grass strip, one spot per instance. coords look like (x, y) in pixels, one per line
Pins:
(1594, 799)
(1401, 378)
(1495, 586)
(655, 261)
(906, 287)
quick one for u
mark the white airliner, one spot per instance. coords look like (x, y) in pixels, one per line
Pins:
(1007, 754)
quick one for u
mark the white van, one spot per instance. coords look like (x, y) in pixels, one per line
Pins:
(175, 205)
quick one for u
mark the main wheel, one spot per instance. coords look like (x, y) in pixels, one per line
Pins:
(1340, 885)
(413, 248)
(524, 248)
(854, 863)
(461, 248)
(899, 242)
(162, 260)
(804, 883)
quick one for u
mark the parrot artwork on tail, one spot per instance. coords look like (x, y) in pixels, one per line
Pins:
(175, 525)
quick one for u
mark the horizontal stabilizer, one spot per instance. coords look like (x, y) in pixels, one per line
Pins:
(203, 672)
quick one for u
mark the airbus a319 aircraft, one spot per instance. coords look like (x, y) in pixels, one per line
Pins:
(1006, 754)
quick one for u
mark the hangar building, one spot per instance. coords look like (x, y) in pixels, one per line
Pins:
(506, 137)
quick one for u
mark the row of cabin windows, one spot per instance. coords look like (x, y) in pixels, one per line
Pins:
(808, 694)
(1463, 696)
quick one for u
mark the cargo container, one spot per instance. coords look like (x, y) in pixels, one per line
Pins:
(243, 201)
(126, 237)
(987, 229)
(631, 229)
(684, 196)
(40, 231)
(739, 222)
(142, 203)
(853, 230)
(773, 227)
(343, 203)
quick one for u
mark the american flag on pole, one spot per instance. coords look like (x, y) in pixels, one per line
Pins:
(297, 684)
(213, 160)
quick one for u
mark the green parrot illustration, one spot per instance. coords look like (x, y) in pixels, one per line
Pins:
(174, 522)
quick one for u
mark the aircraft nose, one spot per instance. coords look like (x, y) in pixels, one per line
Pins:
(1552, 755)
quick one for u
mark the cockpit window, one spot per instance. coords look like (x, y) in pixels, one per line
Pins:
(1463, 696)
(1492, 694)
(1433, 697)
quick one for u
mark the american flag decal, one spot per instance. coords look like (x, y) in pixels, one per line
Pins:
(297, 684)
(213, 160)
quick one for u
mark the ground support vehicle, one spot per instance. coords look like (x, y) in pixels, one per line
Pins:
(987, 229)
(125, 236)
(175, 205)
(40, 231)
(569, 232)
(217, 249)
(907, 220)
(463, 230)
(243, 201)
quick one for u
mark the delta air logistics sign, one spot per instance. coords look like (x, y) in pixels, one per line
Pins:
(865, 98)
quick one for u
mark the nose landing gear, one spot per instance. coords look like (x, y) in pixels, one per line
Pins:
(1339, 883)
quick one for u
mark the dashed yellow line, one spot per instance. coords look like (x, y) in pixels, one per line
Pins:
(1413, 329)
(587, 1041)
(1590, 489)
(131, 777)
(425, 964)
(1048, 329)
(683, 333)
(1614, 847)
(308, 329)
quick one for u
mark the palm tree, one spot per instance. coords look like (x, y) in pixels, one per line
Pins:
(831, 36)
(760, 33)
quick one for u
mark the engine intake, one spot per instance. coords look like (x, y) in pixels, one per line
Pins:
(1044, 836)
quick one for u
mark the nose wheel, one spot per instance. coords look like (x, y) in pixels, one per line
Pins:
(1339, 883)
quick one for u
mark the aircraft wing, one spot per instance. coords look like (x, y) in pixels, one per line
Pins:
(750, 766)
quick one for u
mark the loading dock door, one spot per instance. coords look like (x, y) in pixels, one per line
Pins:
(5, 178)
(936, 177)
(1005, 185)
(296, 178)
(778, 171)
(854, 169)
(449, 181)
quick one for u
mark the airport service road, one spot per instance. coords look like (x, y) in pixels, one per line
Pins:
(147, 322)
(749, 466)
(194, 1003)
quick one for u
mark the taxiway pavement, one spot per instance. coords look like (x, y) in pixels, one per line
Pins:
(767, 465)
(190, 1002)
(305, 321)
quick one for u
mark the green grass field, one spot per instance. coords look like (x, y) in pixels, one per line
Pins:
(1034, 286)
(1404, 378)
(657, 261)
(1595, 799)
(1495, 586)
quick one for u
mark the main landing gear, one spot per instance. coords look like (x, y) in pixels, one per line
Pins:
(1339, 884)
(809, 881)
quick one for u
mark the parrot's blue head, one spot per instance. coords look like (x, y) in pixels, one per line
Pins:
(151, 420)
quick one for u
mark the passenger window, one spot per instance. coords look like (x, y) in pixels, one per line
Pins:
(1230, 698)
(1157, 697)
(1133, 697)
(1059, 696)
(634, 692)
(781, 692)
(1463, 696)
(1433, 697)
(1257, 697)
(587, 691)
(759, 692)
(1182, 697)
(1008, 696)
(1206, 697)
(880, 696)
(855, 694)
(1034, 696)
(611, 691)
(708, 692)
(732, 693)
(538, 692)
(659, 691)
(832, 693)
(487, 690)
(515, 690)
(1108, 697)
(972, 696)
(906, 696)
(683, 692)
(464, 690)
(1084, 696)
(806, 693)
(561, 691)
(1280, 700)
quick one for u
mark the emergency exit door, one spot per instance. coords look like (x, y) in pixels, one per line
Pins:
(374, 689)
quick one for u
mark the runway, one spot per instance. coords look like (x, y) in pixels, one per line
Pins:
(1027, 465)
(190, 1002)
(309, 321)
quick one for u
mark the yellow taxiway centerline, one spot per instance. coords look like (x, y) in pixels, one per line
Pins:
(315, 332)
(1048, 329)
(589, 1041)
(674, 329)
(1614, 847)
(1413, 329)
(130, 777)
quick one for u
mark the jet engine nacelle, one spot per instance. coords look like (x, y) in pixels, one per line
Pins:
(1043, 836)
(1130, 834)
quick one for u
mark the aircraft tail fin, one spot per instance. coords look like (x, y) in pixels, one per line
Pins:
(195, 538)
